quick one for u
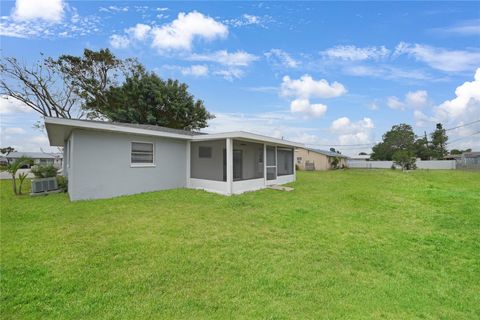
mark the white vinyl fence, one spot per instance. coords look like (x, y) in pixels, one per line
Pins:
(421, 164)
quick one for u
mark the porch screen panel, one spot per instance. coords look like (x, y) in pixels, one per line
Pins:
(208, 160)
(248, 162)
(271, 156)
(285, 161)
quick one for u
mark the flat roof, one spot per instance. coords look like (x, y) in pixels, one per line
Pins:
(59, 129)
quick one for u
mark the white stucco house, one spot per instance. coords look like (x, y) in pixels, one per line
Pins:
(107, 159)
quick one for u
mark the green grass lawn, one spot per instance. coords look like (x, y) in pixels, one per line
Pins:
(343, 245)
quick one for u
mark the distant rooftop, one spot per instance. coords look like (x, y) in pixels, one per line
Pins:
(327, 153)
(33, 155)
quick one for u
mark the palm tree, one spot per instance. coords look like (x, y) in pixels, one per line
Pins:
(13, 168)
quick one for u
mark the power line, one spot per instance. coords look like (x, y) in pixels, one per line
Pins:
(449, 142)
(463, 125)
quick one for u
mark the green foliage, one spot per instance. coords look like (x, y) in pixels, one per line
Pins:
(62, 183)
(146, 99)
(422, 149)
(400, 137)
(44, 171)
(13, 168)
(356, 244)
(456, 151)
(7, 150)
(405, 159)
(439, 142)
(334, 163)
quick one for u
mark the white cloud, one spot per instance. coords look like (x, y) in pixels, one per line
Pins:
(304, 106)
(139, 31)
(114, 9)
(307, 87)
(395, 103)
(353, 53)
(280, 58)
(440, 58)
(238, 58)
(465, 106)
(181, 32)
(14, 130)
(12, 105)
(48, 10)
(195, 70)
(465, 28)
(249, 20)
(413, 99)
(387, 72)
(119, 41)
(230, 73)
(416, 99)
(70, 25)
(349, 132)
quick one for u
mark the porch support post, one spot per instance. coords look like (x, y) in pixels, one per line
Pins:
(265, 164)
(188, 163)
(229, 153)
(294, 164)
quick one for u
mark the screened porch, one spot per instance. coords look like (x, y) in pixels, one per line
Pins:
(234, 166)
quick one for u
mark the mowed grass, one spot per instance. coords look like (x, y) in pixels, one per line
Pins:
(343, 245)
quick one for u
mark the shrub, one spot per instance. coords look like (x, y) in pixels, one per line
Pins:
(393, 167)
(405, 159)
(62, 183)
(44, 171)
(335, 162)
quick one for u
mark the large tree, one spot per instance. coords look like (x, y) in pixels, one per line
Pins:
(439, 142)
(61, 87)
(145, 98)
(400, 137)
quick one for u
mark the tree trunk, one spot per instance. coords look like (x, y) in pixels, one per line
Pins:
(14, 184)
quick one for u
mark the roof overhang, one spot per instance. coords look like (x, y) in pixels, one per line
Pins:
(59, 129)
(247, 136)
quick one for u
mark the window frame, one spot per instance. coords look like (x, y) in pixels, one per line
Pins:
(142, 164)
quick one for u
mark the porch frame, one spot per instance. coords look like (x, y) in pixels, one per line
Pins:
(230, 186)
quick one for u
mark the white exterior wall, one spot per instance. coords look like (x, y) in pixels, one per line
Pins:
(248, 185)
(220, 187)
(100, 165)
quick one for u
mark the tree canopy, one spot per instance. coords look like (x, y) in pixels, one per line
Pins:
(401, 137)
(145, 98)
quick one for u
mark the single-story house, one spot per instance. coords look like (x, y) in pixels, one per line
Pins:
(39, 158)
(316, 159)
(107, 159)
(466, 160)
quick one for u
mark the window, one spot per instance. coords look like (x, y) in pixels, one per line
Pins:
(204, 152)
(142, 153)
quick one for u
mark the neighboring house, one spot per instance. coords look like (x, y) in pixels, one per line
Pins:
(39, 158)
(315, 159)
(469, 160)
(130, 158)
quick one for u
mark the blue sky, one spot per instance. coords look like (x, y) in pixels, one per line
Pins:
(322, 73)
